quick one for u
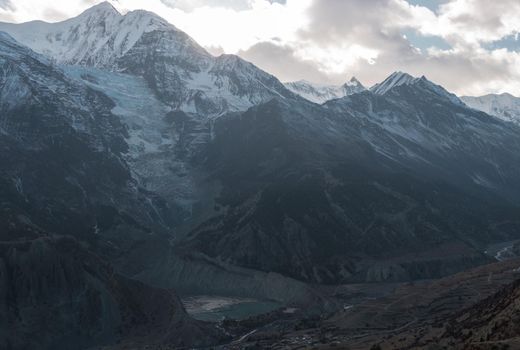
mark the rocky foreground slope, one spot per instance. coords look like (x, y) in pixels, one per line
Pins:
(492, 323)
(475, 309)
(55, 294)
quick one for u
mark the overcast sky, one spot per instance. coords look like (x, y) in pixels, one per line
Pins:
(468, 46)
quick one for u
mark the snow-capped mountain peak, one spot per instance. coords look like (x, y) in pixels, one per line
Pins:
(319, 93)
(181, 72)
(353, 86)
(104, 7)
(96, 37)
(395, 79)
(399, 79)
(353, 82)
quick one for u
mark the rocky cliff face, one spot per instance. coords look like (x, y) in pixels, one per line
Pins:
(194, 81)
(54, 294)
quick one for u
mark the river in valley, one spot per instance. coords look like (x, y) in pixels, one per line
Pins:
(502, 251)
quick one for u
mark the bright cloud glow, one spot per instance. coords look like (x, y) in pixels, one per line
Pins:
(230, 28)
(238, 30)
(335, 59)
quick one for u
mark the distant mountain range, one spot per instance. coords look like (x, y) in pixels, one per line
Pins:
(504, 106)
(208, 175)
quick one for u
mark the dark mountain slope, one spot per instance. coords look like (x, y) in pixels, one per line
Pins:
(54, 294)
(62, 169)
(343, 193)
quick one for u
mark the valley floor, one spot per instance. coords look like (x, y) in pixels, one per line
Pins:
(391, 316)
